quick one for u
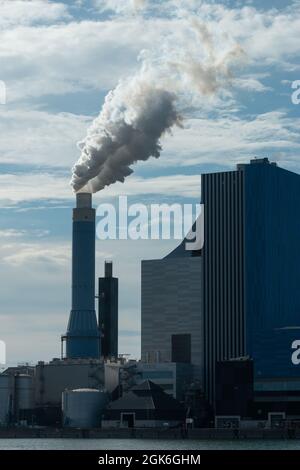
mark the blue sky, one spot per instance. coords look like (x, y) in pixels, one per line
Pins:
(58, 61)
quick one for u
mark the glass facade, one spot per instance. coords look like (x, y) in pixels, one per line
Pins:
(251, 269)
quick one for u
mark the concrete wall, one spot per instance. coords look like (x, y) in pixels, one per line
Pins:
(171, 304)
(53, 378)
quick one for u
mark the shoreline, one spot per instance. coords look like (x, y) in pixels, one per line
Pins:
(142, 433)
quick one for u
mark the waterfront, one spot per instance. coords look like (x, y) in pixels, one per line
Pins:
(146, 444)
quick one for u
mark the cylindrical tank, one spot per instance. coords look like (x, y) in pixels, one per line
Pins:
(24, 392)
(83, 408)
(5, 398)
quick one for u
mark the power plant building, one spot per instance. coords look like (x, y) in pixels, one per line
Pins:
(172, 377)
(251, 270)
(145, 406)
(53, 378)
(172, 322)
(224, 321)
(240, 297)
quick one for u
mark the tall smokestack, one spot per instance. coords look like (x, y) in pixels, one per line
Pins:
(82, 338)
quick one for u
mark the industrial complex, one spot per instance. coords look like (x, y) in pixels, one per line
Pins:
(220, 326)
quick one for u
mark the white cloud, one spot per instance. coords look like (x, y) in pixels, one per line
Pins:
(264, 33)
(78, 55)
(120, 6)
(21, 233)
(172, 185)
(250, 84)
(227, 140)
(12, 233)
(16, 188)
(37, 137)
(26, 12)
(31, 254)
(70, 57)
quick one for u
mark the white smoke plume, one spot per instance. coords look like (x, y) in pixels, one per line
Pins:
(133, 118)
(141, 109)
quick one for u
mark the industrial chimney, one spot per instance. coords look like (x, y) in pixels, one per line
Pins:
(82, 337)
(108, 312)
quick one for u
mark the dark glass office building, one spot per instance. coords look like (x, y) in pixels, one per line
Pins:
(251, 269)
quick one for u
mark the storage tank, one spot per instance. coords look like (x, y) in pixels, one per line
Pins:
(5, 398)
(24, 392)
(83, 408)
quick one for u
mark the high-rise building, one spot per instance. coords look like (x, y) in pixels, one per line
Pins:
(171, 310)
(251, 269)
(108, 312)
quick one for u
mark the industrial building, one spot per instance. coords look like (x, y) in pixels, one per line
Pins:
(36, 398)
(243, 402)
(51, 379)
(16, 398)
(6, 399)
(239, 297)
(172, 321)
(251, 269)
(220, 326)
(36, 395)
(277, 396)
(108, 312)
(173, 378)
(145, 405)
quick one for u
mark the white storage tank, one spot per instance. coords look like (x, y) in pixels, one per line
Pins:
(24, 392)
(83, 408)
(5, 398)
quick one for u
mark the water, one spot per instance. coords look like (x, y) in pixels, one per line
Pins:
(145, 444)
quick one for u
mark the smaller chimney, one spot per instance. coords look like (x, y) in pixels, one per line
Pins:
(108, 269)
(108, 312)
